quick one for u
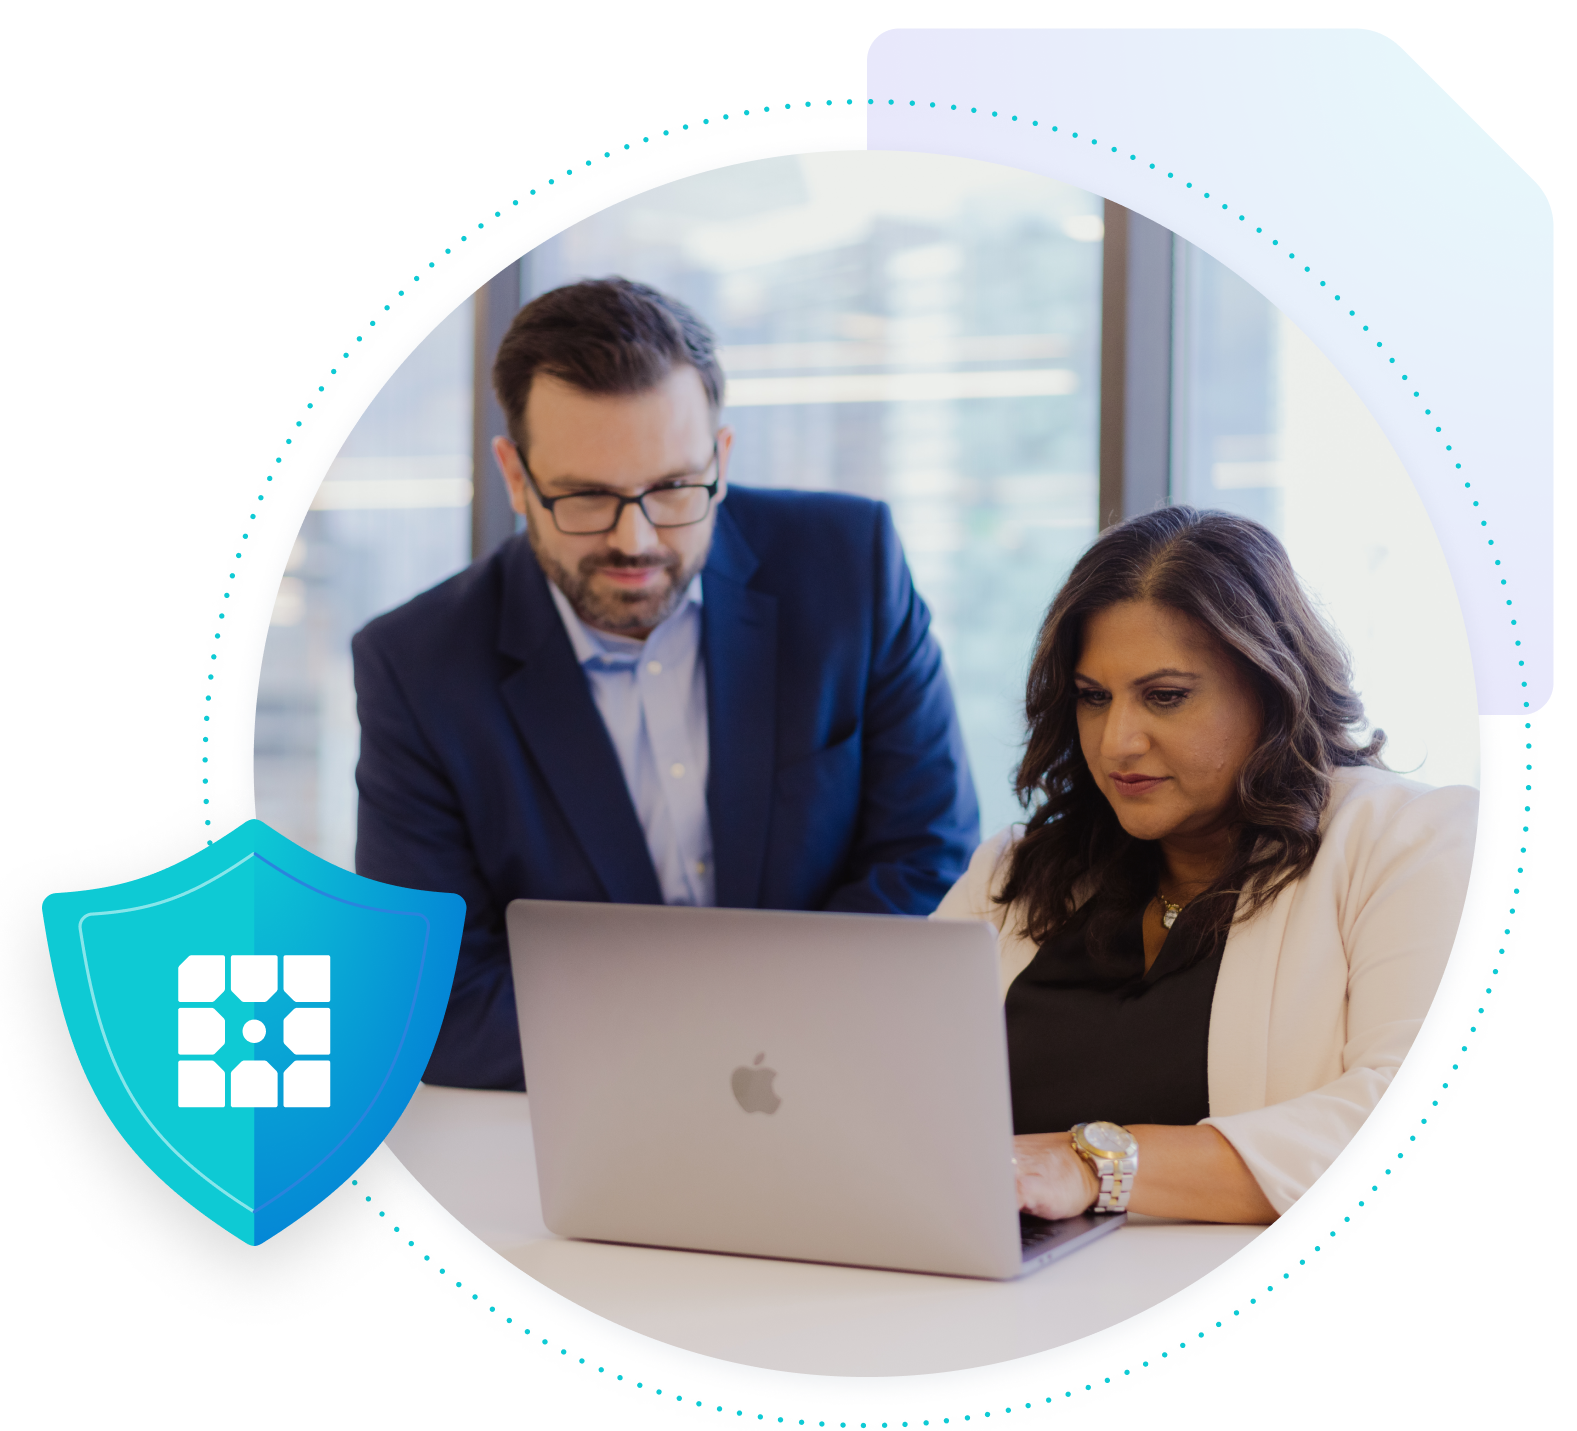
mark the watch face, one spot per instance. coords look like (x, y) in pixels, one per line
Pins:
(1111, 1140)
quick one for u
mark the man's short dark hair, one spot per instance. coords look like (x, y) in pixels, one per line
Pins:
(606, 336)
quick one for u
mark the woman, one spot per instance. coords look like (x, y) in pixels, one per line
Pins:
(1224, 920)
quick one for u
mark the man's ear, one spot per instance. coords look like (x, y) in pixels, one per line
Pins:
(725, 445)
(507, 456)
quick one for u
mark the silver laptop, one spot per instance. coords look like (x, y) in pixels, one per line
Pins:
(823, 1087)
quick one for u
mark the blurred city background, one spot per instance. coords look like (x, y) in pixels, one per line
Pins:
(927, 331)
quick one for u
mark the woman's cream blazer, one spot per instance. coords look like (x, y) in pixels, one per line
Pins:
(1322, 992)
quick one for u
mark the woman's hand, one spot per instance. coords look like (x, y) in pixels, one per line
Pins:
(1185, 1172)
(1053, 1180)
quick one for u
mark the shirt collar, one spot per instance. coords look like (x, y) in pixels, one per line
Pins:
(603, 647)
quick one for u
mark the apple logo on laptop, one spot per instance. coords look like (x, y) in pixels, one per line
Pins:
(753, 1087)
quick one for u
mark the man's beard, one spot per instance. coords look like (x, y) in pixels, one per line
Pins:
(619, 611)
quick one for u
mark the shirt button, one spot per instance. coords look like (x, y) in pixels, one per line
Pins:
(700, 866)
(676, 770)
(654, 668)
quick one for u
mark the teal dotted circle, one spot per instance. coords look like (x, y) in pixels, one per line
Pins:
(1274, 243)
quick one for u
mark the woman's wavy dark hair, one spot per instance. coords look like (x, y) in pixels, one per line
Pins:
(1234, 579)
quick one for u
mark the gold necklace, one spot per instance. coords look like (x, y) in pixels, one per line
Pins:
(1169, 910)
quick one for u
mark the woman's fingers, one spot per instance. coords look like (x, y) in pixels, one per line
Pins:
(1053, 1180)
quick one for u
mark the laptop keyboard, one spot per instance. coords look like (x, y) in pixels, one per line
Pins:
(1034, 1232)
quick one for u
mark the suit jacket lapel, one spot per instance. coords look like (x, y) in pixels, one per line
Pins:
(739, 640)
(550, 701)
(1238, 1054)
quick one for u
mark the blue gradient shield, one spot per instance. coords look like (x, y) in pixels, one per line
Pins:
(253, 1019)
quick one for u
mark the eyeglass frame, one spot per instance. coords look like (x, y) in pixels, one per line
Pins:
(639, 500)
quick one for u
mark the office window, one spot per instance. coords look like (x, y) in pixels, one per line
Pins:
(925, 331)
(391, 519)
(1264, 425)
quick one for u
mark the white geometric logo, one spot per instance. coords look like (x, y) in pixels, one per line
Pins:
(293, 1029)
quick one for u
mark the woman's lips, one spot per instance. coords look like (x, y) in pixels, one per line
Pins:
(1135, 785)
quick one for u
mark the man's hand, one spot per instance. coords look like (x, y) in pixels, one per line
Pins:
(1053, 1180)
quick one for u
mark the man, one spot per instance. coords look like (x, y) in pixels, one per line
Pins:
(653, 695)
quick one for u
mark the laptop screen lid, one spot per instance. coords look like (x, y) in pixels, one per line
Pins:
(825, 1087)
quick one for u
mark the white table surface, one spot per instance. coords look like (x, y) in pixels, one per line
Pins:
(472, 1150)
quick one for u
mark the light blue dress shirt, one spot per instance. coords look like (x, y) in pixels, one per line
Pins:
(651, 695)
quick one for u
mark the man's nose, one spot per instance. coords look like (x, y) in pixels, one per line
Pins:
(633, 534)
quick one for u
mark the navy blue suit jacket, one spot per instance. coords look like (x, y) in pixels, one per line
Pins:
(838, 778)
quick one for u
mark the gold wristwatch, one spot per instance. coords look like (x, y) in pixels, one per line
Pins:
(1113, 1152)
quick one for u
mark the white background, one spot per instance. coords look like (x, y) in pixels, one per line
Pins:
(202, 207)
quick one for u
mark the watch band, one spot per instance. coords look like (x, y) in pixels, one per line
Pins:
(1115, 1176)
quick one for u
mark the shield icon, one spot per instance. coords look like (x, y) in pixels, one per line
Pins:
(253, 1019)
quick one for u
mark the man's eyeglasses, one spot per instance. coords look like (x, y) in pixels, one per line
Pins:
(677, 502)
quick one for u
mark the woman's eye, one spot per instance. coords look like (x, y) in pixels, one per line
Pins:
(1167, 698)
(1092, 698)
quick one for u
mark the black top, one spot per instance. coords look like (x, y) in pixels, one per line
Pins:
(1100, 1037)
